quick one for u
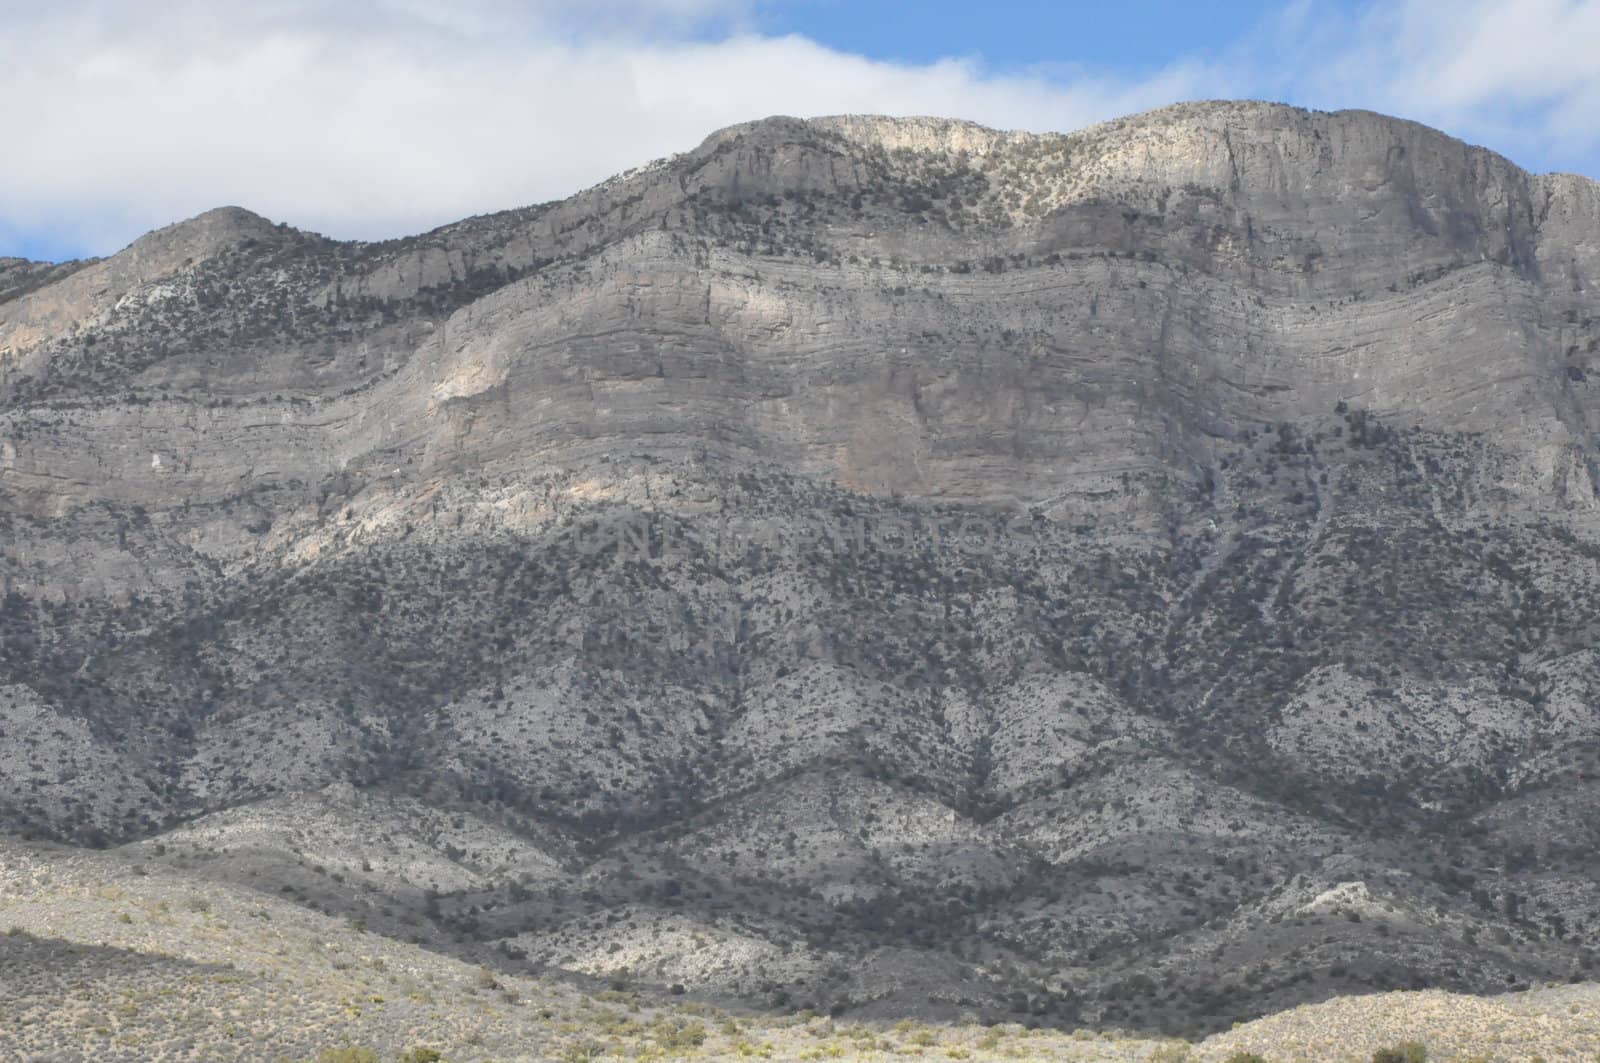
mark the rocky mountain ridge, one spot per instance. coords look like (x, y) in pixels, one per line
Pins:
(1144, 576)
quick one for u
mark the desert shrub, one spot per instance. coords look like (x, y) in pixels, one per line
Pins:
(679, 1034)
(421, 1054)
(1245, 1057)
(348, 1054)
(1409, 1052)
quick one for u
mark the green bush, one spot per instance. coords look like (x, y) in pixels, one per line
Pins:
(1409, 1052)
(348, 1054)
(1245, 1057)
(679, 1034)
(421, 1055)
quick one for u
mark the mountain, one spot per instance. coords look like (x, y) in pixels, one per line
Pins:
(1143, 577)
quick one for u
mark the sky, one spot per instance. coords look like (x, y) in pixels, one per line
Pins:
(376, 118)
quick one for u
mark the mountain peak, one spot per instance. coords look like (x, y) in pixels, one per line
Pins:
(203, 235)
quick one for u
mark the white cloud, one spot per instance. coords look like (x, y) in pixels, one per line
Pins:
(378, 117)
(1521, 76)
(387, 117)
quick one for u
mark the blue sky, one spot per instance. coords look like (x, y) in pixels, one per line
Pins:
(1131, 37)
(373, 118)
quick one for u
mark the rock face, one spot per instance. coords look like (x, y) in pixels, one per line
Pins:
(1149, 575)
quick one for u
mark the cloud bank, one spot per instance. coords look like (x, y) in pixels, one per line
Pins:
(373, 118)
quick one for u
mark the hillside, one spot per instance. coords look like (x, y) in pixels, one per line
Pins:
(105, 960)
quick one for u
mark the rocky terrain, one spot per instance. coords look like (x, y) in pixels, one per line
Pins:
(1143, 578)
